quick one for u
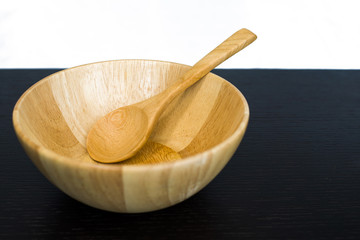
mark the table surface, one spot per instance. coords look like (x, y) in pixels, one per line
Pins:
(296, 174)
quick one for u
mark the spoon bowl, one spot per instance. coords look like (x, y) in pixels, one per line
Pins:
(115, 127)
(190, 144)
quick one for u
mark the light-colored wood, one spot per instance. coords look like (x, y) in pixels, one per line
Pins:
(120, 134)
(190, 144)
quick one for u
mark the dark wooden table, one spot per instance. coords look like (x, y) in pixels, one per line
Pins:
(296, 175)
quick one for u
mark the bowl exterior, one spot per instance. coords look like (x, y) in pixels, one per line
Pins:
(130, 188)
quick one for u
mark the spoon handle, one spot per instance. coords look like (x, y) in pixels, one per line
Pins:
(225, 50)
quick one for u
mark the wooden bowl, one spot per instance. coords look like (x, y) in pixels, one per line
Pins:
(193, 140)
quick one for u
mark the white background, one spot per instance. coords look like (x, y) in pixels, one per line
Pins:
(291, 34)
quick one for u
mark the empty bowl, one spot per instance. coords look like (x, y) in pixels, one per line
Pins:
(194, 139)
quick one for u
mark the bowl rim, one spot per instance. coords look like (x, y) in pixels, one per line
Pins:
(53, 156)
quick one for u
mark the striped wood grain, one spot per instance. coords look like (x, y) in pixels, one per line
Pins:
(193, 140)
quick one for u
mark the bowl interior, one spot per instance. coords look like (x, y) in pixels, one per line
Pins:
(58, 112)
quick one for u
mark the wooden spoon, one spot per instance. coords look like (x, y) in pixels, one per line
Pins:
(121, 133)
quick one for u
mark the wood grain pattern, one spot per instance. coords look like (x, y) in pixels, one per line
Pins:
(53, 117)
(120, 134)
